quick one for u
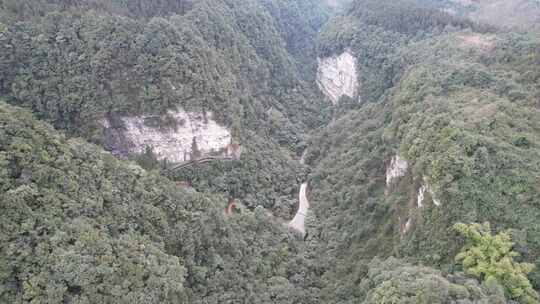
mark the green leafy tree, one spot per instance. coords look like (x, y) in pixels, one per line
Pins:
(393, 281)
(491, 259)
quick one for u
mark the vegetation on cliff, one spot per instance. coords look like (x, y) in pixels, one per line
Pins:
(80, 226)
(73, 63)
(456, 99)
(459, 102)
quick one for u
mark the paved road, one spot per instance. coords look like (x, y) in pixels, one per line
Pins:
(303, 158)
(298, 221)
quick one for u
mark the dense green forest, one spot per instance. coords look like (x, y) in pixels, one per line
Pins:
(73, 67)
(458, 101)
(442, 86)
(80, 226)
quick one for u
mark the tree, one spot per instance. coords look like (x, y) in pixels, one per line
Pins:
(396, 281)
(491, 259)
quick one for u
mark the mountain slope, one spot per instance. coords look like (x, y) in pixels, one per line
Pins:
(82, 226)
(85, 71)
(431, 119)
(458, 103)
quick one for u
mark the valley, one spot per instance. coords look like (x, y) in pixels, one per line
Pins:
(364, 151)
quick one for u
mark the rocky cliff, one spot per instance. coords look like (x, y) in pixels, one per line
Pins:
(178, 136)
(337, 76)
(397, 168)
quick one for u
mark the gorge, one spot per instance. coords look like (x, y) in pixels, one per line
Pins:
(269, 151)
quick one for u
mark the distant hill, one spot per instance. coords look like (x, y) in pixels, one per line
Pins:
(87, 65)
(505, 13)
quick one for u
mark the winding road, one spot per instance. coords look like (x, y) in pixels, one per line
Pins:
(298, 222)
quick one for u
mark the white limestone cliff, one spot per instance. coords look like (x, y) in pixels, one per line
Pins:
(176, 142)
(407, 226)
(337, 76)
(397, 168)
(303, 157)
(422, 193)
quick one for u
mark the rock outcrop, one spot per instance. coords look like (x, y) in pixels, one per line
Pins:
(422, 193)
(337, 76)
(398, 168)
(303, 157)
(407, 226)
(178, 136)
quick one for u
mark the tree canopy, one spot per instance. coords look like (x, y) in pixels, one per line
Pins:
(455, 99)
(491, 258)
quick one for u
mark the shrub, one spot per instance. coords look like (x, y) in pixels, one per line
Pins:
(491, 259)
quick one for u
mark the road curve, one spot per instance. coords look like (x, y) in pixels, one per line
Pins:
(298, 222)
(303, 157)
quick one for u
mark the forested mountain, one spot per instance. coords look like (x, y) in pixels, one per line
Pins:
(80, 226)
(147, 65)
(457, 103)
(74, 67)
(153, 151)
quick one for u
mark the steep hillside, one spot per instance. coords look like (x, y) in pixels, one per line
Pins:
(447, 131)
(80, 226)
(269, 151)
(191, 81)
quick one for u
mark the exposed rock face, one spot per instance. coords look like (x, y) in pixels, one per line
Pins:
(303, 157)
(404, 226)
(422, 194)
(407, 226)
(398, 168)
(179, 136)
(337, 76)
(435, 200)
